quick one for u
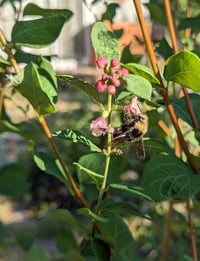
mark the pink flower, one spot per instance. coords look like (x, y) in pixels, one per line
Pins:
(115, 63)
(101, 62)
(134, 107)
(98, 126)
(100, 85)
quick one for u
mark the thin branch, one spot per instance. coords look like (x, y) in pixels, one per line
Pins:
(192, 233)
(165, 245)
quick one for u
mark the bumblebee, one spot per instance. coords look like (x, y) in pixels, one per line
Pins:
(132, 131)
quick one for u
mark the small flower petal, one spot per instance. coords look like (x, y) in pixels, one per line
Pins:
(98, 126)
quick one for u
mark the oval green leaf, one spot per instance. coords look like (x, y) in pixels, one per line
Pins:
(167, 176)
(143, 71)
(138, 86)
(184, 68)
(104, 42)
(38, 33)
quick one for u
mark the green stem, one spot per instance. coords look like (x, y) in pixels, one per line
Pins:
(107, 161)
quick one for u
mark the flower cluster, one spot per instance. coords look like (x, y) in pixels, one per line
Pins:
(110, 79)
(99, 126)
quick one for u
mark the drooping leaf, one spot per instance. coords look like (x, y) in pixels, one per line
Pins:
(83, 86)
(184, 68)
(123, 208)
(87, 212)
(166, 176)
(143, 71)
(104, 42)
(76, 137)
(93, 175)
(51, 166)
(138, 86)
(37, 84)
(38, 33)
(132, 189)
(33, 9)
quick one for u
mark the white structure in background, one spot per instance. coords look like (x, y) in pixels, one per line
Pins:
(73, 46)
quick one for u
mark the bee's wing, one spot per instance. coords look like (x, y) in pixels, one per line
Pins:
(139, 150)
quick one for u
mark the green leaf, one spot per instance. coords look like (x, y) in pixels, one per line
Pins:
(4, 62)
(101, 249)
(138, 86)
(134, 190)
(110, 12)
(157, 13)
(32, 9)
(155, 146)
(181, 109)
(104, 42)
(166, 176)
(38, 33)
(87, 212)
(95, 176)
(51, 166)
(190, 22)
(74, 255)
(36, 253)
(143, 71)
(65, 241)
(63, 215)
(76, 137)
(117, 233)
(164, 49)
(124, 208)
(184, 68)
(95, 162)
(24, 129)
(13, 180)
(37, 85)
(83, 86)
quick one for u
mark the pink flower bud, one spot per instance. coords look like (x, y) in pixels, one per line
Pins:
(98, 126)
(100, 86)
(116, 82)
(115, 63)
(123, 72)
(111, 89)
(101, 62)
